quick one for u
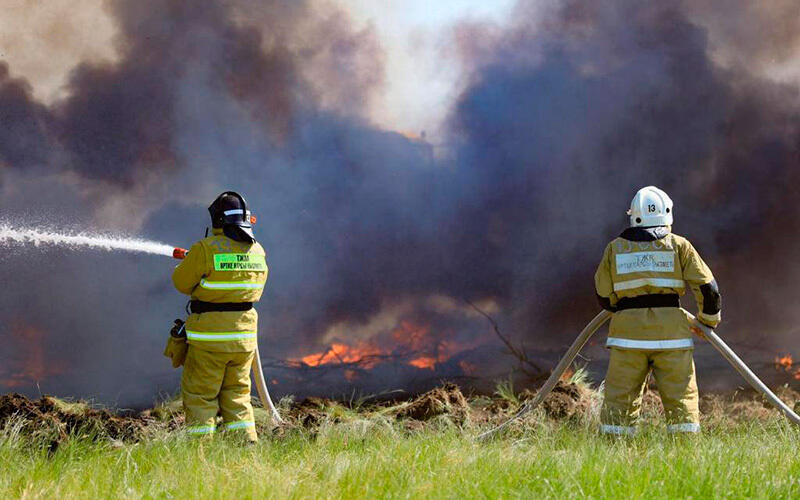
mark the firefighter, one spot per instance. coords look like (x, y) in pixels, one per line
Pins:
(640, 279)
(224, 274)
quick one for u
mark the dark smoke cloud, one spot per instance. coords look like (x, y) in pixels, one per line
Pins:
(199, 101)
(566, 112)
(121, 118)
(752, 33)
(567, 116)
(24, 121)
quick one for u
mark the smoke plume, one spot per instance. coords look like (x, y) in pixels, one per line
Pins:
(564, 113)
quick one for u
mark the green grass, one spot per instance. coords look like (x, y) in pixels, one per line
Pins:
(371, 458)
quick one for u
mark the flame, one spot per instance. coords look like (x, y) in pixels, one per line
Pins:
(339, 353)
(408, 341)
(785, 363)
(424, 362)
(31, 364)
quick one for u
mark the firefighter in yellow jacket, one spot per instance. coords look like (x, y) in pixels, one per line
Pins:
(224, 274)
(641, 278)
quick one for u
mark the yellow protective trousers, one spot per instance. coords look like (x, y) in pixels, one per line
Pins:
(217, 383)
(675, 376)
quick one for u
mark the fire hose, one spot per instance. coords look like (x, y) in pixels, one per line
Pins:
(261, 388)
(594, 325)
(258, 370)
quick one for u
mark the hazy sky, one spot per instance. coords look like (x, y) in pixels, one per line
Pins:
(415, 33)
(42, 41)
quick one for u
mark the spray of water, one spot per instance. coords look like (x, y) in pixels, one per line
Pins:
(10, 235)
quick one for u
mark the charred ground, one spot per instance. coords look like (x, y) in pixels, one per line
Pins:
(52, 421)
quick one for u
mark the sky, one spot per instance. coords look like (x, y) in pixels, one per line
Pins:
(421, 80)
(43, 41)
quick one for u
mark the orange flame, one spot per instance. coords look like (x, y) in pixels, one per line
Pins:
(31, 364)
(407, 339)
(424, 362)
(786, 364)
(783, 362)
(339, 353)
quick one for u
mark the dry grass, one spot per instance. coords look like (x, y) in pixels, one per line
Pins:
(419, 448)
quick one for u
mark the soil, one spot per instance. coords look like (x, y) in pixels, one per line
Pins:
(445, 400)
(564, 401)
(48, 418)
(54, 420)
(311, 412)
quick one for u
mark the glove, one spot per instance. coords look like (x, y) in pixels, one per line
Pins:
(176, 344)
(178, 331)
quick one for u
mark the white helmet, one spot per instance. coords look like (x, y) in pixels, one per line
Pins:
(651, 207)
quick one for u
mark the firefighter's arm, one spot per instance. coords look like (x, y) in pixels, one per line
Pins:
(704, 287)
(190, 271)
(603, 284)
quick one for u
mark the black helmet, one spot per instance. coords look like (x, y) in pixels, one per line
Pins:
(229, 212)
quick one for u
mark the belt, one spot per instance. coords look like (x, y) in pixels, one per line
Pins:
(645, 301)
(198, 306)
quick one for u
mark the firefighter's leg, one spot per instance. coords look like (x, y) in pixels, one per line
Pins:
(627, 370)
(234, 398)
(202, 378)
(674, 374)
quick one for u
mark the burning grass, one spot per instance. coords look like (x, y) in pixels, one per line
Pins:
(421, 447)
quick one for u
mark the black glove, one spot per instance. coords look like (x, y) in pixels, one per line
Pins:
(178, 331)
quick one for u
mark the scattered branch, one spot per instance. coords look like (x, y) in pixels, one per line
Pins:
(526, 366)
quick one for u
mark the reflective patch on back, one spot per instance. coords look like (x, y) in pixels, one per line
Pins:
(638, 262)
(239, 262)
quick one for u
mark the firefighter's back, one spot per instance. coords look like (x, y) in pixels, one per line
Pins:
(234, 273)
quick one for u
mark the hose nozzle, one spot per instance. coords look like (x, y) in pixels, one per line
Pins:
(179, 253)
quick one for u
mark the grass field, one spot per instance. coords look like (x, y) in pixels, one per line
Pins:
(355, 453)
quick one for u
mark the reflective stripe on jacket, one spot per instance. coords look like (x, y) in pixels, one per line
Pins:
(219, 269)
(648, 261)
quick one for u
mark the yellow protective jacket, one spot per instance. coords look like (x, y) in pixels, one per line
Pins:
(650, 262)
(219, 269)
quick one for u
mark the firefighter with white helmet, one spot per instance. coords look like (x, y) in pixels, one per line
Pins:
(641, 277)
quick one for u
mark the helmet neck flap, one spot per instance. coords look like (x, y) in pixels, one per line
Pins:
(229, 212)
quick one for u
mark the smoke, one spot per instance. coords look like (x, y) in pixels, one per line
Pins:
(763, 35)
(564, 113)
(578, 105)
(25, 123)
